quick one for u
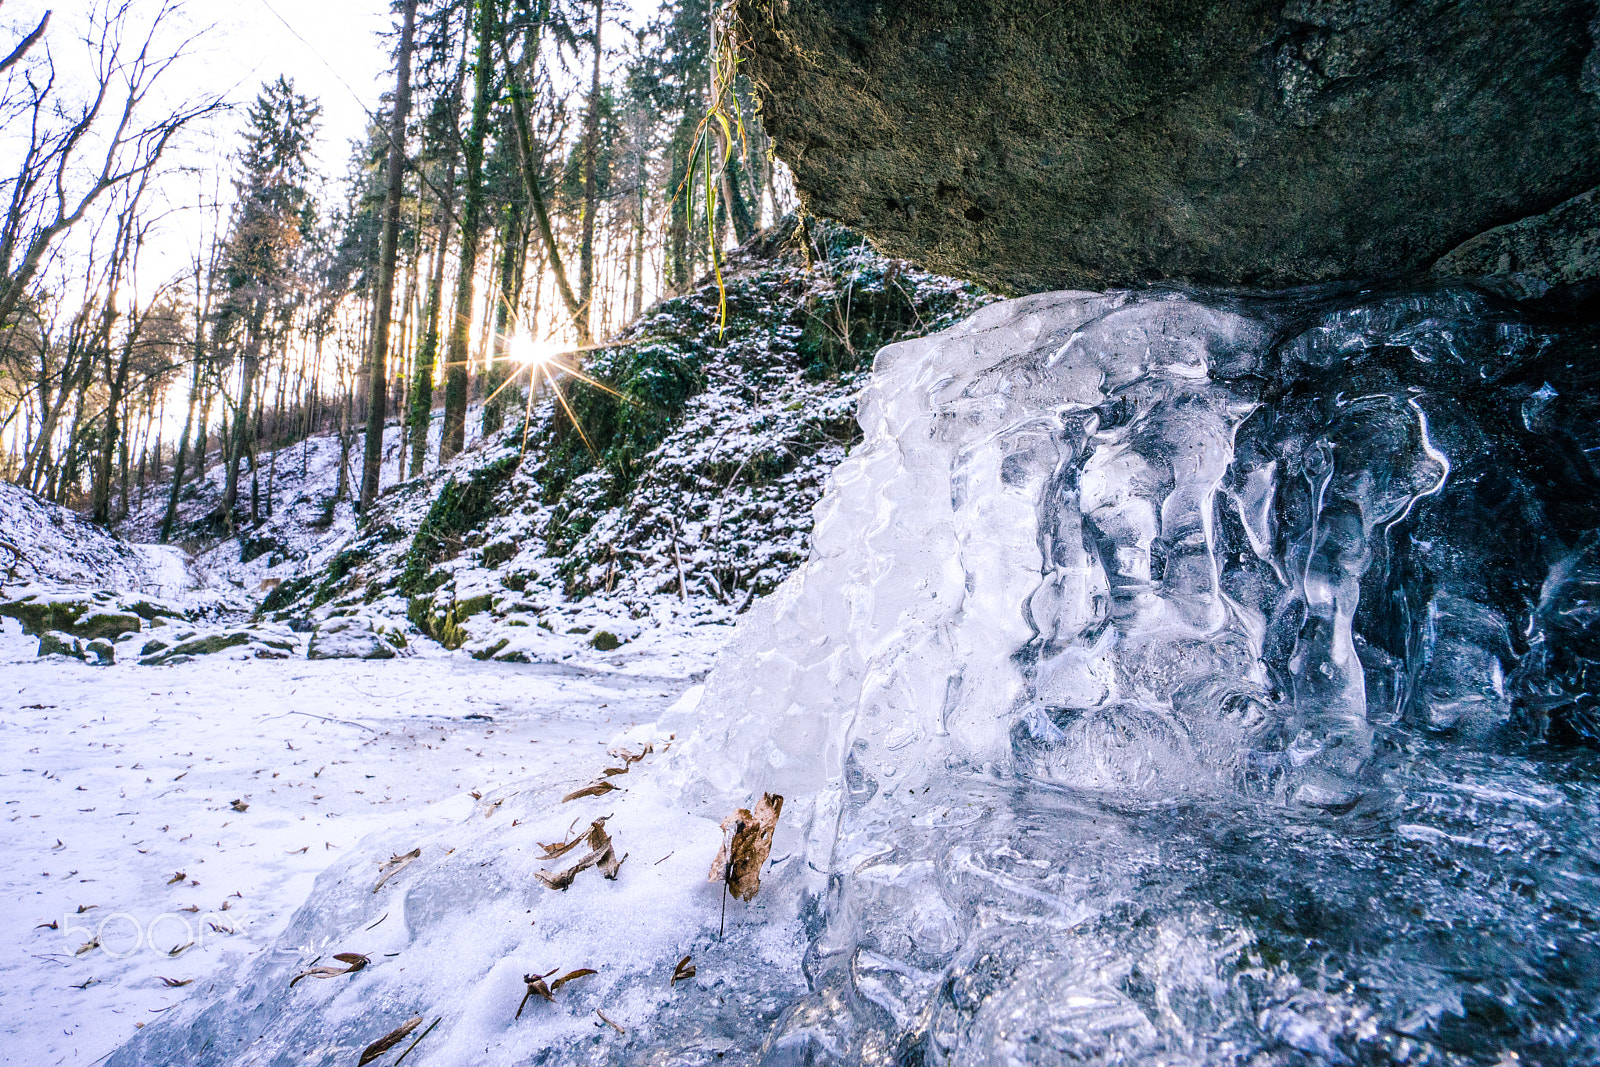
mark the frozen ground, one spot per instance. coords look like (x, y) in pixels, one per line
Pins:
(118, 780)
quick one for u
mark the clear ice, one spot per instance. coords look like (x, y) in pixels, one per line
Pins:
(1188, 680)
(1176, 679)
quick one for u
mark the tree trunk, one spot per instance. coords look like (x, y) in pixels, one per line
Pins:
(378, 369)
(454, 438)
(591, 195)
(428, 350)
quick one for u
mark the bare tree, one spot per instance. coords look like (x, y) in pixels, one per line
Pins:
(54, 187)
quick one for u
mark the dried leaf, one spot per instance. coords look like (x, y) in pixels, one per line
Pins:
(609, 771)
(353, 962)
(394, 865)
(608, 1022)
(746, 844)
(177, 950)
(176, 878)
(191, 909)
(582, 972)
(175, 983)
(51, 925)
(389, 1040)
(239, 805)
(609, 864)
(536, 988)
(683, 971)
(318, 972)
(87, 946)
(595, 790)
(600, 855)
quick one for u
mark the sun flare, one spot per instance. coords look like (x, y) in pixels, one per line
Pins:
(531, 352)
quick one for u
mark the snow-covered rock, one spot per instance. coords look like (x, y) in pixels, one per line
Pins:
(345, 638)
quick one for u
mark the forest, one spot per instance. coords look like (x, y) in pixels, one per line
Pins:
(539, 174)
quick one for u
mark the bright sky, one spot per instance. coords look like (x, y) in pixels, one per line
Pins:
(331, 49)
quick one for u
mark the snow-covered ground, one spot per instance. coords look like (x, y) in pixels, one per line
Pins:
(172, 819)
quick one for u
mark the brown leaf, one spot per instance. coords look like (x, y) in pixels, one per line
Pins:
(595, 790)
(389, 1040)
(746, 844)
(318, 972)
(536, 988)
(609, 771)
(600, 855)
(177, 950)
(582, 972)
(87, 946)
(683, 971)
(176, 878)
(394, 865)
(239, 805)
(174, 983)
(191, 909)
(355, 959)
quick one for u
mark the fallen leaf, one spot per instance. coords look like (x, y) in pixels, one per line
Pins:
(608, 1022)
(601, 854)
(394, 865)
(174, 983)
(595, 790)
(555, 987)
(191, 908)
(176, 878)
(87, 946)
(389, 1040)
(355, 959)
(536, 988)
(746, 844)
(51, 925)
(683, 971)
(177, 950)
(239, 805)
(298, 851)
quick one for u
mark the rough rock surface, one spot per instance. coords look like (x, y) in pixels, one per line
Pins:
(1034, 146)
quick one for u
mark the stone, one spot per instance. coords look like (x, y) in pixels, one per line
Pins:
(1033, 146)
(40, 614)
(347, 639)
(112, 624)
(103, 652)
(57, 643)
(1559, 249)
(197, 645)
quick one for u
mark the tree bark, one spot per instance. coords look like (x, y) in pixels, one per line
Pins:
(454, 438)
(377, 369)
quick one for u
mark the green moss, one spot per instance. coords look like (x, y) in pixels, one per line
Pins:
(461, 506)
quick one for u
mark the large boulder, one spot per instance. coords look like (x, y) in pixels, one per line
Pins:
(345, 638)
(1034, 145)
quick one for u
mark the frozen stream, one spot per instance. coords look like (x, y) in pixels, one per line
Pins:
(115, 780)
(1175, 680)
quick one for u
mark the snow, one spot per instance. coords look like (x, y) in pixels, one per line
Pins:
(116, 779)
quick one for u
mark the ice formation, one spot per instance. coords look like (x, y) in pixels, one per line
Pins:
(1176, 679)
(1137, 616)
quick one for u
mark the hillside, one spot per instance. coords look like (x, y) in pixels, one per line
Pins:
(682, 490)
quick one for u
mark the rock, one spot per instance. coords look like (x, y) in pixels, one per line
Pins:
(197, 645)
(112, 624)
(153, 646)
(347, 639)
(1527, 258)
(102, 651)
(1034, 146)
(57, 643)
(40, 614)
